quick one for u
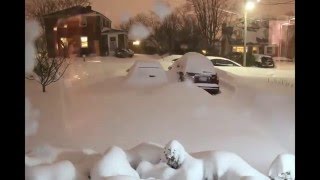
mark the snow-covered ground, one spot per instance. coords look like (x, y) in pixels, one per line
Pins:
(92, 107)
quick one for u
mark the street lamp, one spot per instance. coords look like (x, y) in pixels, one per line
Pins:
(248, 6)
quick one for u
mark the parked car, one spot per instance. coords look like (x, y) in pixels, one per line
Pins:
(262, 60)
(148, 72)
(220, 61)
(198, 69)
(123, 53)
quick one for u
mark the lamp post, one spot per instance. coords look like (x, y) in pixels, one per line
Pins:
(248, 6)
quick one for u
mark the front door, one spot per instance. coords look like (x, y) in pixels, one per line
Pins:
(113, 44)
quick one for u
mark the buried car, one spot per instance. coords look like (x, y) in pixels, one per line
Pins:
(146, 72)
(123, 53)
(262, 60)
(220, 61)
(198, 69)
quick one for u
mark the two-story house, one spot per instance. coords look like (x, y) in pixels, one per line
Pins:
(83, 31)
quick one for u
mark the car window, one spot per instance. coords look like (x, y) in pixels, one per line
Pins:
(222, 62)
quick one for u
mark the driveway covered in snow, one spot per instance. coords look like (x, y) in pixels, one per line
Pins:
(92, 107)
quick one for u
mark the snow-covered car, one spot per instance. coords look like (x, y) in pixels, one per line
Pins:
(123, 53)
(220, 61)
(262, 60)
(198, 69)
(146, 72)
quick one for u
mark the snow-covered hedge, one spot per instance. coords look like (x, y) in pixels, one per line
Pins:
(151, 161)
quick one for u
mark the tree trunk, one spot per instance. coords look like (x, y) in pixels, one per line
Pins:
(43, 88)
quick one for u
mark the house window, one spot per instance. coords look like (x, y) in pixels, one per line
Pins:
(55, 28)
(237, 49)
(255, 49)
(83, 21)
(64, 41)
(65, 26)
(84, 41)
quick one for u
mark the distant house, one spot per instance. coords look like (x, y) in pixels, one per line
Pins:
(83, 31)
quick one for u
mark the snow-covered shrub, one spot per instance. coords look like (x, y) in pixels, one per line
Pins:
(144, 152)
(283, 167)
(56, 171)
(113, 163)
(175, 154)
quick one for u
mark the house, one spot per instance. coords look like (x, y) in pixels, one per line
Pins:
(271, 37)
(83, 31)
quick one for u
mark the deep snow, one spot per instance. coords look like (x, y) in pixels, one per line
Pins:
(91, 108)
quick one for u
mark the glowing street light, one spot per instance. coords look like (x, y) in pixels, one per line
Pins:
(248, 6)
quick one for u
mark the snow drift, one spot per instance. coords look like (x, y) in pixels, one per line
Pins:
(283, 167)
(113, 163)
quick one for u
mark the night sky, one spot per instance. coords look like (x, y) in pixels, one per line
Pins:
(117, 9)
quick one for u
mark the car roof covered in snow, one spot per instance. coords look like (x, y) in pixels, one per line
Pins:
(196, 63)
(147, 63)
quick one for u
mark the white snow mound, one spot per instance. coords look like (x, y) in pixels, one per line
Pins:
(283, 167)
(113, 163)
(62, 170)
(31, 118)
(150, 152)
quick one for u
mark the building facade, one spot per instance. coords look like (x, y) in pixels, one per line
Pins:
(82, 31)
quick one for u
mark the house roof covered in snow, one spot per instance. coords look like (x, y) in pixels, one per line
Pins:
(111, 30)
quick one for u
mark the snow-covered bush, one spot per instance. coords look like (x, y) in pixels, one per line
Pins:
(175, 154)
(56, 171)
(113, 163)
(283, 167)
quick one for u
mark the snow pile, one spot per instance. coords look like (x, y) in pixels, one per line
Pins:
(227, 165)
(31, 118)
(144, 152)
(113, 163)
(120, 178)
(138, 31)
(32, 31)
(159, 171)
(162, 9)
(283, 167)
(44, 154)
(56, 171)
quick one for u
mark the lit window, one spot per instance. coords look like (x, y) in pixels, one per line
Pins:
(64, 41)
(65, 26)
(237, 49)
(255, 49)
(55, 28)
(136, 43)
(84, 41)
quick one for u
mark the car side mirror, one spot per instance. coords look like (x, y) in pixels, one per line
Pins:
(169, 67)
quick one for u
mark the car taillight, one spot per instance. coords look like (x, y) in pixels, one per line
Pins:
(215, 79)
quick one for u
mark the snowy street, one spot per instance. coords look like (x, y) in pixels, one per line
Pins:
(92, 107)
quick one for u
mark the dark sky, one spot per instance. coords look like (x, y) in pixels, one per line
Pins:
(116, 9)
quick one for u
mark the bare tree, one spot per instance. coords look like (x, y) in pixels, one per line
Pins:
(48, 70)
(37, 8)
(210, 15)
